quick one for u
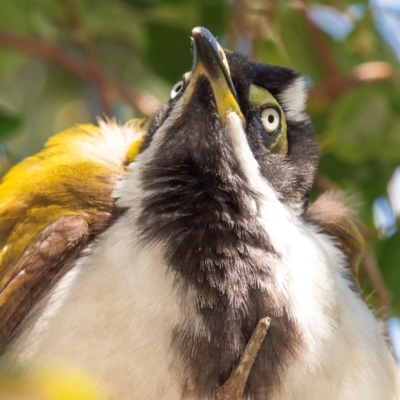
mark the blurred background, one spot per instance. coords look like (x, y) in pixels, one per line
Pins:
(64, 62)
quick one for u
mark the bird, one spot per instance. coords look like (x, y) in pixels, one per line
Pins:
(145, 254)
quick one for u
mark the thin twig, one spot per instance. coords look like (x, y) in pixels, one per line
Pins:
(233, 388)
(318, 40)
(85, 41)
(46, 51)
(335, 83)
(371, 267)
(68, 60)
(323, 183)
(335, 86)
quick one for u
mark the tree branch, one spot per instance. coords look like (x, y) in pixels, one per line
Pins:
(69, 61)
(318, 41)
(323, 183)
(335, 86)
(45, 51)
(371, 267)
(233, 388)
(93, 63)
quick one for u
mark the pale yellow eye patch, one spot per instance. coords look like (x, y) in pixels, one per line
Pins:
(262, 99)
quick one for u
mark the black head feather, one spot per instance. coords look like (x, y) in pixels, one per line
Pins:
(200, 204)
(292, 176)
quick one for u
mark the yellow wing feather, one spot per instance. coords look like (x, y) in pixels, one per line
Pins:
(74, 175)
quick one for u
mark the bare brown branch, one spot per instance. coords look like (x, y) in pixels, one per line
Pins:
(371, 267)
(335, 86)
(318, 40)
(69, 61)
(233, 388)
(87, 45)
(44, 50)
(325, 184)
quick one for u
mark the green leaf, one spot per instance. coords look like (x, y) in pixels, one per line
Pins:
(213, 15)
(8, 124)
(297, 43)
(10, 61)
(168, 54)
(141, 4)
(169, 28)
(179, 16)
(388, 253)
(272, 52)
(115, 23)
(363, 125)
(14, 15)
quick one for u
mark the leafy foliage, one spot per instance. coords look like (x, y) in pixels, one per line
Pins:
(119, 56)
(8, 124)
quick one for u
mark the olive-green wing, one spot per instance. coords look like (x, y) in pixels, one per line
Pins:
(52, 205)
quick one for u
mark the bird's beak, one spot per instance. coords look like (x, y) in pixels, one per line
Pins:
(210, 62)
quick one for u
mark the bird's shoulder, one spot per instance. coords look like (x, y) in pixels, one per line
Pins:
(52, 204)
(334, 214)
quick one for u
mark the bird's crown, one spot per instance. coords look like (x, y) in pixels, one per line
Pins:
(231, 115)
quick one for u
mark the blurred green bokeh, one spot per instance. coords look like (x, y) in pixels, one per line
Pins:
(144, 45)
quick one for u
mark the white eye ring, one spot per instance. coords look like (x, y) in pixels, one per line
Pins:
(177, 89)
(270, 119)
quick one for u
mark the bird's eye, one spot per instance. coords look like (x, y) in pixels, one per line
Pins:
(271, 119)
(177, 89)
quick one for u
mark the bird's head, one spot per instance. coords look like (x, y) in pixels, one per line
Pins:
(232, 123)
(225, 167)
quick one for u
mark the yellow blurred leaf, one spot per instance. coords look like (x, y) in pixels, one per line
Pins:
(57, 383)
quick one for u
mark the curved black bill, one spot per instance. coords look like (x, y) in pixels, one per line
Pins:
(210, 61)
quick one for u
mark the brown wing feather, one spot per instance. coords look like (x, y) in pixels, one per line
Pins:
(333, 215)
(40, 266)
(51, 205)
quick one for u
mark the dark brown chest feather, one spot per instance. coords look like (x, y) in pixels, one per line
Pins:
(225, 263)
